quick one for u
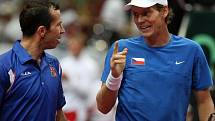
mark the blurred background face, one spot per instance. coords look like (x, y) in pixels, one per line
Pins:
(76, 44)
(53, 35)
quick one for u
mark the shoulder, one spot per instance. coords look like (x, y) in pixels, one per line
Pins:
(186, 42)
(131, 39)
(52, 59)
(6, 58)
(53, 62)
(6, 55)
(5, 66)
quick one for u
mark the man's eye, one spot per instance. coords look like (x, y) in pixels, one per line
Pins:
(146, 13)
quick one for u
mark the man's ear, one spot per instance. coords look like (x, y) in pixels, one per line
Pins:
(165, 11)
(41, 30)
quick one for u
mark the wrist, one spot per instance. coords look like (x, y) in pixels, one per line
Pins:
(113, 83)
(115, 74)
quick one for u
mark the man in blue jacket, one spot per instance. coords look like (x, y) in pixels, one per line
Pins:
(30, 78)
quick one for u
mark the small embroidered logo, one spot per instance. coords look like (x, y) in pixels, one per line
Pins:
(53, 71)
(179, 62)
(26, 73)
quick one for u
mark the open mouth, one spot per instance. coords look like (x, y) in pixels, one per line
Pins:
(144, 27)
(59, 39)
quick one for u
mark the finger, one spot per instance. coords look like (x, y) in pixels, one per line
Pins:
(124, 52)
(125, 49)
(118, 57)
(115, 51)
(119, 61)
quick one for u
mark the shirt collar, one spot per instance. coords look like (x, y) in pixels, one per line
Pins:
(24, 56)
(21, 52)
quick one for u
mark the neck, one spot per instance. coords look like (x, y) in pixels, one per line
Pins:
(32, 46)
(159, 39)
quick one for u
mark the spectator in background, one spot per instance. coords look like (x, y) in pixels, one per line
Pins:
(153, 74)
(9, 22)
(80, 75)
(116, 21)
(30, 78)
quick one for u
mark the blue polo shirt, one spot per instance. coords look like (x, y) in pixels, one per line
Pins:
(157, 81)
(28, 91)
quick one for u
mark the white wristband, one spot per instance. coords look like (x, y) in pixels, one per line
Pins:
(113, 83)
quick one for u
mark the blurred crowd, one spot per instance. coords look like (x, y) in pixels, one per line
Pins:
(91, 27)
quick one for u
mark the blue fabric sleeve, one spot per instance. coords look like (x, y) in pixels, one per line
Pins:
(201, 74)
(4, 82)
(106, 70)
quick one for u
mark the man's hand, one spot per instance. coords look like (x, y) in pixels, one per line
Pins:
(118, 61)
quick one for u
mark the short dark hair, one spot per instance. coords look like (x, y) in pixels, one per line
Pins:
(36, 13)
(170, 15)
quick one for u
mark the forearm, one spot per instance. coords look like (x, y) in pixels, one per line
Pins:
(205, 109)
(106, 99)
(60, 116)
(205, 104)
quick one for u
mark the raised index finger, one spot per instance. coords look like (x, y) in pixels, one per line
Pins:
(115, 50)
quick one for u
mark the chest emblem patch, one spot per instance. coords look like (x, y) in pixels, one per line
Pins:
(53, 71)
(138, 61)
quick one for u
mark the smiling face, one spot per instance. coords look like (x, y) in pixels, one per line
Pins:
(53, 34)
(149, 21)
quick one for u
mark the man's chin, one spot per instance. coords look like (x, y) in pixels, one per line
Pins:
(52, 46)
(146, 35)
(58, 40)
